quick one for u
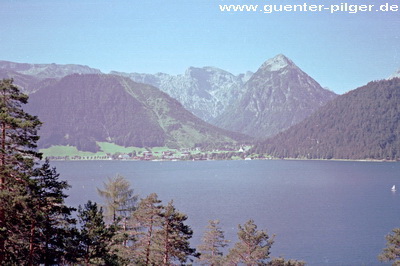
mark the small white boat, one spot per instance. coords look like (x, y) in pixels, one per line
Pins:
(394, 188)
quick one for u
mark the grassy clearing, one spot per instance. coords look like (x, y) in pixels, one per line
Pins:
(114, 148)
(59, 150)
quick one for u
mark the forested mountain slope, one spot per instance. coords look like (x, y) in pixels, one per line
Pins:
(361, 124)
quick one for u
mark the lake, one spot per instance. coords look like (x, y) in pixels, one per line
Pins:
(322, 212)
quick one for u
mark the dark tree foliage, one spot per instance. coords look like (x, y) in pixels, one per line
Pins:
(50, 219)
(392, 250)
(18, 137)
(174, 236)
(361, 124)
(94, 239)
(34, 221)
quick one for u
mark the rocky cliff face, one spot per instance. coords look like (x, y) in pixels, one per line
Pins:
(206, 92)
(276, 97)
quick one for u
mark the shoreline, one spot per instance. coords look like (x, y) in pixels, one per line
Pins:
(246, 159)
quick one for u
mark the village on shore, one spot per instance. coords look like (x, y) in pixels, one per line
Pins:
(184, 154)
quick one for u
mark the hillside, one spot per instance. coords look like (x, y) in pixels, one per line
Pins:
(361, 124)
(278, 96)
(80, 110)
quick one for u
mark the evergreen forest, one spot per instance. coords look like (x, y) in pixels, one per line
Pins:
(361, 124)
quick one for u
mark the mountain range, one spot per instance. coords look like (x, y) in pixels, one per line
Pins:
(361, 124)
(81, 110)
(259, 104)
(81, 106)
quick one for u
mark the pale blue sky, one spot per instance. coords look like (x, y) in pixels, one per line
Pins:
(340, 51)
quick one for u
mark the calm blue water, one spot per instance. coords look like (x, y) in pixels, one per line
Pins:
(322, 212)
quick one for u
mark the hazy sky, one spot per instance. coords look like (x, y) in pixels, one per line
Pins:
(341, 51)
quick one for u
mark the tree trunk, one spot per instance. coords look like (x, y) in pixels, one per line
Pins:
(149, 243)
(166, 248)
(2, 182)
(87, 256)
(31, 244)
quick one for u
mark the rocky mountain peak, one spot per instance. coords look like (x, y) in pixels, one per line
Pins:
(277, 63)
(278, 96)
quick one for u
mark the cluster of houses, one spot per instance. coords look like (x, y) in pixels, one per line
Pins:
(143, 156)
(164, 155)
(168, 155)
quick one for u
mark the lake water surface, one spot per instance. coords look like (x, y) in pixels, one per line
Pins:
(322, 212)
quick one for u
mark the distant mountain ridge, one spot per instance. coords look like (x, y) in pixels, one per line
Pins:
(43, 71)
(206, 91)
(361, 124)
(276, 97)
(80, 110)
(32, 77)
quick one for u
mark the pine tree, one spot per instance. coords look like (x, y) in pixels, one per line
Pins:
(18, 155)
(174, 237)
(392, 250)
(213, 241)
(51, 219)
(120, 204)
(119, 196)
(253, 246)
(95, 237)
(147, 220)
